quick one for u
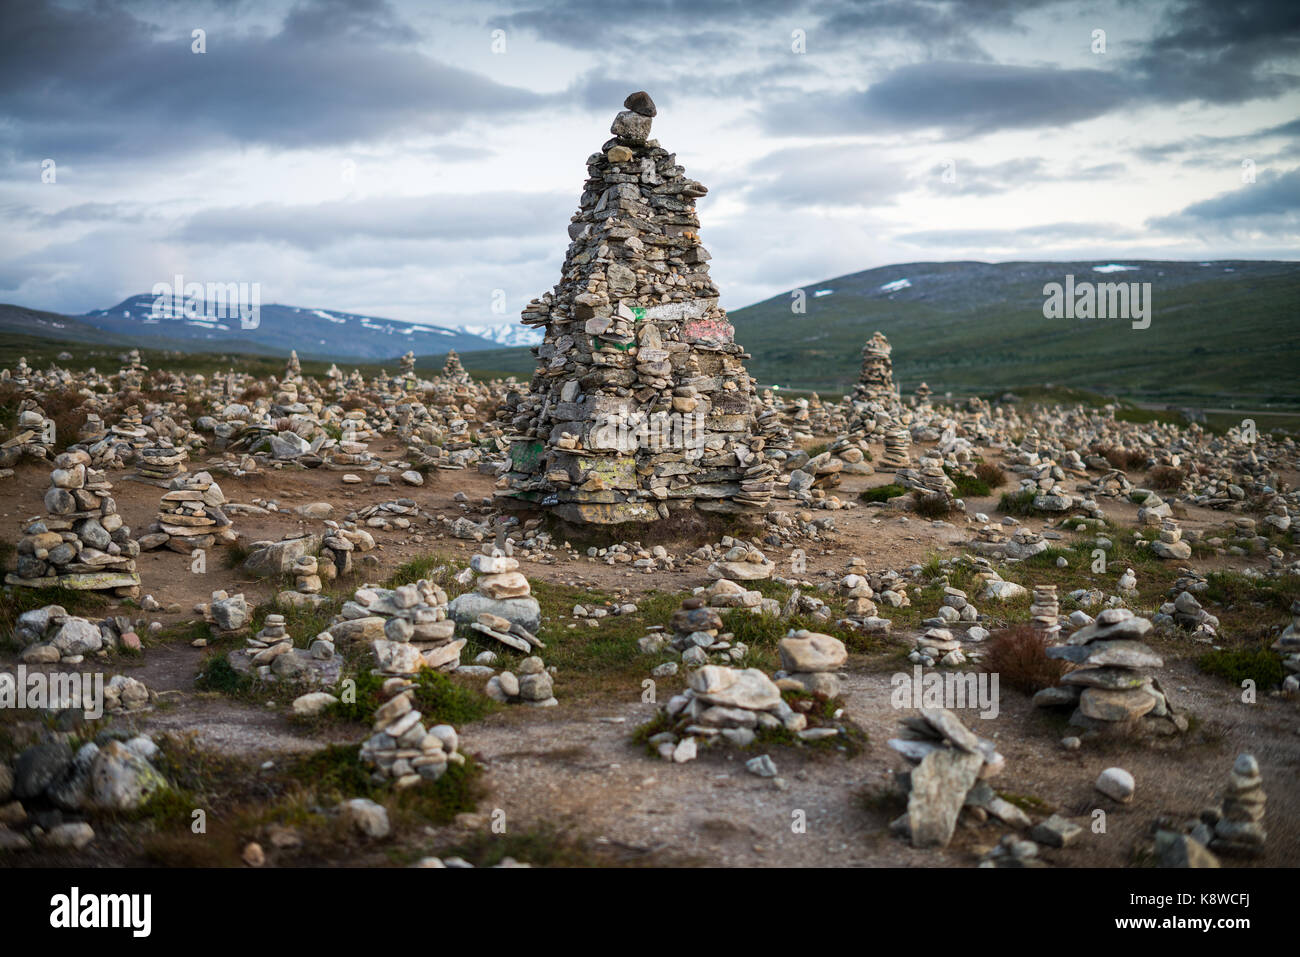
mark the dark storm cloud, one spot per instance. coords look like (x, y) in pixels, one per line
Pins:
(962, 99)
(101, 82)
(1223, 52)
(1272, 197)
(446, 216)
(641, 27)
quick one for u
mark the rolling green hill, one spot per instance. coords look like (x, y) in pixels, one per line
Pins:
(1222, 333)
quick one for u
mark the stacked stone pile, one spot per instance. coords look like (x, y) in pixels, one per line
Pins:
(640, 404)
(161, 463)
(402, 749)
(809, 662)
(1110, 683)
(1045, 613)
(728, 704)
(407, 627)
(949, 763)
(190, 516)
(31, 440)
(875, 384)
(860, 611)
(532, 685)
(897, 441)
(49, 634)
(502, 592)
(742, 562)
(1170, 544)
(453, 371)
(1239, 822)
(83, 544)
(1288, 646)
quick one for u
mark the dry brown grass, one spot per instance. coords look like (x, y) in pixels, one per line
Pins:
(991, 475)
(1165, 478)
(1019, 656)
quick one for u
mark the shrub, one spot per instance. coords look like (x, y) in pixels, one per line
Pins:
(1019, 657)
(882, 493)
(991, 475)
(1017, 503)
(1126, 460)
(1257, 664)
(1165, 478)
(932, 504)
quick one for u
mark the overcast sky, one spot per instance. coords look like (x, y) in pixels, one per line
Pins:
(408, 159)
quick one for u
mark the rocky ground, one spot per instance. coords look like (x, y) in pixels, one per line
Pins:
(568, 784)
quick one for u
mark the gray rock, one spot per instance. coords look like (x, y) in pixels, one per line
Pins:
(525, 612)
(71, 790)
(78, 637)
(366, 816)
(278, 557)
(1116, 783)
(121, 779)
(939, 787)
(38, 767)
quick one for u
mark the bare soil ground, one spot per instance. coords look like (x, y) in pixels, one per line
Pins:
(573, 768)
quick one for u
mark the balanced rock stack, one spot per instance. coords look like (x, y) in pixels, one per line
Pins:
(876, 379)
(161, 463)
(83, 545)
(949, 762)
(190, 516)
(1170, 544)
(307, 585)
(1239, 824)
(407, 379)
(502, 592)
(810, 660)
(1109, 683)
(859, 608)
(407, 627)
(401, 748)
(1045, 613)
(640, 404)
(1288, 646)
(726, 703)
(31, 438)
(453, 371)
(897, 441)
(532, 685)
(697, 629)
(742, 562)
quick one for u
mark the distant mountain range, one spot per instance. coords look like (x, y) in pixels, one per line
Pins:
(145, 321)
(1224, 329)
(1218, 331)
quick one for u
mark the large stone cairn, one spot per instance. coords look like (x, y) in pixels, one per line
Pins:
(401, 748)
(874, 397)
(190, 516)
(634, 338)
(84, 544)
(1239, 822)
(1110, 682)
(949, 763)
